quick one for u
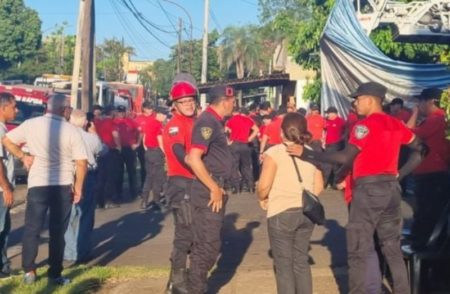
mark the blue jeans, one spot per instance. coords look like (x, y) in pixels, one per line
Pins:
(81, 223)
(289, 235)
(5, 228)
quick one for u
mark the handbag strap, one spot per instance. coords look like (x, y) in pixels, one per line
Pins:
(297, 170)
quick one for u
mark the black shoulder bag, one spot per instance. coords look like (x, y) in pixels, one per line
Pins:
(312, 207)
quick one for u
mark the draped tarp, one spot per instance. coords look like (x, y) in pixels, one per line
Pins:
(348, 58)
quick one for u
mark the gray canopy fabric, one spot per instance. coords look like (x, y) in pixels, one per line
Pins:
(349, 58)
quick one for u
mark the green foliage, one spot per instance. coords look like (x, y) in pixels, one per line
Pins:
(20, 33)
(110, 59)
(160, 80)
(311, 92)
(409, 52)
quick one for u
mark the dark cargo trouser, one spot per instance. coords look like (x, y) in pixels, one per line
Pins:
(128, 158)
(242, 164)
(108, 177)
(207, 226)
(178, 188)
(156, 175)
(375, 206)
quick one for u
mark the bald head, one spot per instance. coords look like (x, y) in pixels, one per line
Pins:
(78, 118)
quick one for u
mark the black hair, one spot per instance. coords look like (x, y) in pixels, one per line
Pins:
(6, 98)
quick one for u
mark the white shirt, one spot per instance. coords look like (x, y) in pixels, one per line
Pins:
(7, 158)
(93, 147)
(55, 144)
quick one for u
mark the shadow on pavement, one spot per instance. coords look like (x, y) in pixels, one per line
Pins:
(234, 246)
(334, 240)
(117, 236)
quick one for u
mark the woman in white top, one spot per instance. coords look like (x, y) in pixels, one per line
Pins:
(280, 193)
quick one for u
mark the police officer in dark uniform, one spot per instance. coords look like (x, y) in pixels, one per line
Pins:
(176, 136)
(210, 159)
(373, 152)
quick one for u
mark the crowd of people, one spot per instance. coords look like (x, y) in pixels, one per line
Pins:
(190, 159)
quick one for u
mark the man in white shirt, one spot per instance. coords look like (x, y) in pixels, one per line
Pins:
(81, 224)
(8, 112)
(54, 146)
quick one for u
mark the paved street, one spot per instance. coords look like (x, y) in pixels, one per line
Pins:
(130, 236)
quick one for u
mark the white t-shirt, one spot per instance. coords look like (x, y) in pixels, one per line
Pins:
(6, 157)
(93, 147)
(55, 144)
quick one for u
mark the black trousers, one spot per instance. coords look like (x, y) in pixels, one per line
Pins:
(178, 195)
(128, 160)
(156, 175)
(289, 235)
(242, 164)
(432, 195)
(329, 170)
(108, 177)
(140, 151)
(57, 199)
(207, 227)
(375, 207)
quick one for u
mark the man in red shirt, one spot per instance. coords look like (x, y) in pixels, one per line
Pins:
(373, 152)
(352, 118)
(109, 164)
(141, 120)
(154, 158)
(431, 179)
(334, 141)
(242, 131)
(129, 136)
(316, 125)
(177, 136)
(272, 132)
(397, 110)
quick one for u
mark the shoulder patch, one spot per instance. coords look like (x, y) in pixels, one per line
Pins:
(361, 131)
(173, 131)
(206, 132)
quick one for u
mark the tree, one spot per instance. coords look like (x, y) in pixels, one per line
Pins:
(110, 59)
(20, 33)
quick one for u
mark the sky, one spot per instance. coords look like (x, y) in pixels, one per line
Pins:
(113, 19)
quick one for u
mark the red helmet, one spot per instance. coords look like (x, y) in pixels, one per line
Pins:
(182, 89)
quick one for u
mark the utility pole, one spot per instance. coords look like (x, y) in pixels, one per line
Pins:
(179, 55)
(87, 55)
(205, 51)
(77, 58)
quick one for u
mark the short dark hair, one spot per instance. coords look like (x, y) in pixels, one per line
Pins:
(6, 98)
(397, 101)
(294, 128)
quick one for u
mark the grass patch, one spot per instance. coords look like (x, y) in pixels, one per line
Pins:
(85, 279)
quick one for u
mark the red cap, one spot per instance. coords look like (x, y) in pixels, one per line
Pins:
(182, 89)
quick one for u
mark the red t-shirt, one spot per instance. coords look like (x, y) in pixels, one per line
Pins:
(432, 131)
(141, 120)
(316, 125)
(105, 128)
(403, 115)
(352, 118)
(273, 131)
(128, 131)
(152, 129)
(379, 137)
(240, 127)
(335, 130)
(177, 131)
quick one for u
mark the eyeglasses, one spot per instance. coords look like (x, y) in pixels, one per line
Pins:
(185, 102)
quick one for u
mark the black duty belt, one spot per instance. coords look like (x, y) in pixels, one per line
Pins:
(375, 179)
(218, 179)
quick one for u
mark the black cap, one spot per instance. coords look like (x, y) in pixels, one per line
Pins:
(162, 110)
(331, 109)
(265, 105)
(430, 94)
(370, 88)
(397, 101)
(219, 92)
(121, 108)
(314, 106)
(282, 110)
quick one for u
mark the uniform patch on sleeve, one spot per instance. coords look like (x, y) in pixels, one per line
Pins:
(173, 131)
(206, 132)
(361, 131)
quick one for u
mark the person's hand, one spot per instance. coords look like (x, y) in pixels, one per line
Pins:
(415, 110)
(76, 195)
(8, 198)
(261, 157)
(27, 161)
(216, 199)
(264, 203)
(134, 146)
(341, 185)
(295, 150)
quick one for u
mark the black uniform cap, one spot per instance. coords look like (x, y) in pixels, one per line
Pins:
(218, 92)
(331, 109)
(430, 94)
(370, 88)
